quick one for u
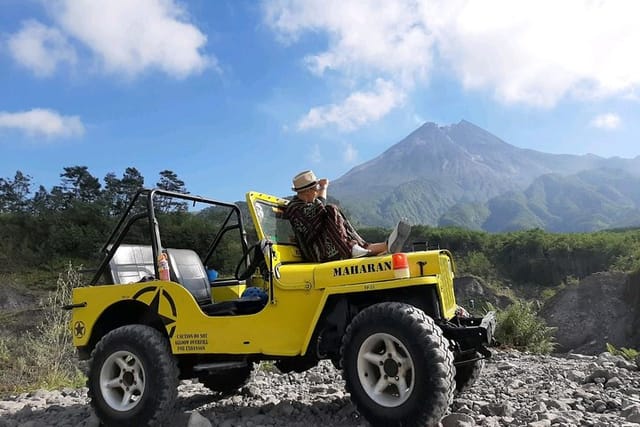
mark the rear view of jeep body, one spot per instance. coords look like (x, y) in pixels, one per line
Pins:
(389, 322)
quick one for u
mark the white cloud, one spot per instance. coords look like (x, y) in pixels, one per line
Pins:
(40, 48)
(387, 37)
(607, 121)
(539, 52)
(379, 44)
(358, 109)
(42, 122)
(125, 37)
(130, 37)
(533, 53)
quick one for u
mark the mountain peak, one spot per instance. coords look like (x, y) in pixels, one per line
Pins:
(438, 167)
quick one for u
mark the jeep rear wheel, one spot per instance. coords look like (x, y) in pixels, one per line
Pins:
(228, 381)
(133, 377)
(397, 366)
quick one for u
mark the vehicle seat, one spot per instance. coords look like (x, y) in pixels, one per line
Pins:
(131, 264)
(188, 270)
(134, 263)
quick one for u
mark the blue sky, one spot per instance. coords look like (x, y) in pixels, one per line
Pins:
(241, 95)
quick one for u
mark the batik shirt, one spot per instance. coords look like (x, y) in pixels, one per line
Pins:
(322, 232)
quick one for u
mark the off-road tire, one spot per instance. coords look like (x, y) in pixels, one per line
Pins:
(226, 382)
(134, 359)
(402, 342)
(468, 373)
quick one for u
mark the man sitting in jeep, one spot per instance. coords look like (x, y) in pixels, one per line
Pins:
(322, 231)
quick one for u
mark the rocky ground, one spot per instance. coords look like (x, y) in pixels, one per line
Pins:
(515, 390)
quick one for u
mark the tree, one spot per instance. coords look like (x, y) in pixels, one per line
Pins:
(41, 201)
(119, 192)
(110, 193)
(14, 193)
(78, 185)
(169, 181)
(132, 181)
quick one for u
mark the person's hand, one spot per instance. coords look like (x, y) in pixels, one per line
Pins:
(323, 183)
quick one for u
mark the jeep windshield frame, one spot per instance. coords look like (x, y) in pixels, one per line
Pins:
(129, 217)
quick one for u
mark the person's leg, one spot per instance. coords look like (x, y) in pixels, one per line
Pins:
(393, 244)
(377, 248)
(398, 236)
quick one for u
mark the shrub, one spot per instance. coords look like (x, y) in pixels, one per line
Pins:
(45, 357)
(549, 293)
(519, 326)
(627, 353)
(477, 264)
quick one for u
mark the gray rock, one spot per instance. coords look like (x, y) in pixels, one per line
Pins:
(631, 413)
(197, 420)
(539, 407)
(599, 406)
(33, 423)
(577, 356)
(499, 409)
(576, 376)
(626, 364)
(557, 404)
(613, 382)
(516, 384)
(603, 374)
(457, 420)
(541, 423)
(11, 406)
(504, 366)
(515, 389)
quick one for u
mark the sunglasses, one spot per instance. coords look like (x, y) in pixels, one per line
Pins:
(310, 189)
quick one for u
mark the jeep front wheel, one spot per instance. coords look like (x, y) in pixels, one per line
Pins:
(397, 366)
(133, 377)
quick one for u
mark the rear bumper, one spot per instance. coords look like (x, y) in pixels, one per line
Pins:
(471, 333)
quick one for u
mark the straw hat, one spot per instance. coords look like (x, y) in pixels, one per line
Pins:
(304, 180)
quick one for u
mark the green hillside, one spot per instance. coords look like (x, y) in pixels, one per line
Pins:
(588, 201)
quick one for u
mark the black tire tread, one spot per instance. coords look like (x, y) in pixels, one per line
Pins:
(431, 341)
(165, 369)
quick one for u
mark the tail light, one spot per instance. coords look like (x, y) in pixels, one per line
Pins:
(400, 264)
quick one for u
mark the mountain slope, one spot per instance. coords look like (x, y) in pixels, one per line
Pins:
(437, 168)
(587, 201)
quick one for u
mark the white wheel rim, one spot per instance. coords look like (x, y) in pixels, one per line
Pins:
(122, 381)
(386, 370)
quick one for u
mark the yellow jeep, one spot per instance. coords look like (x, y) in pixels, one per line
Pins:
(389, 322)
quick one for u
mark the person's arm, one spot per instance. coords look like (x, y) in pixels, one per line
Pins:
(323, 184)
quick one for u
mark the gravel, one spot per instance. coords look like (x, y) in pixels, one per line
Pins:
(515, 389)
